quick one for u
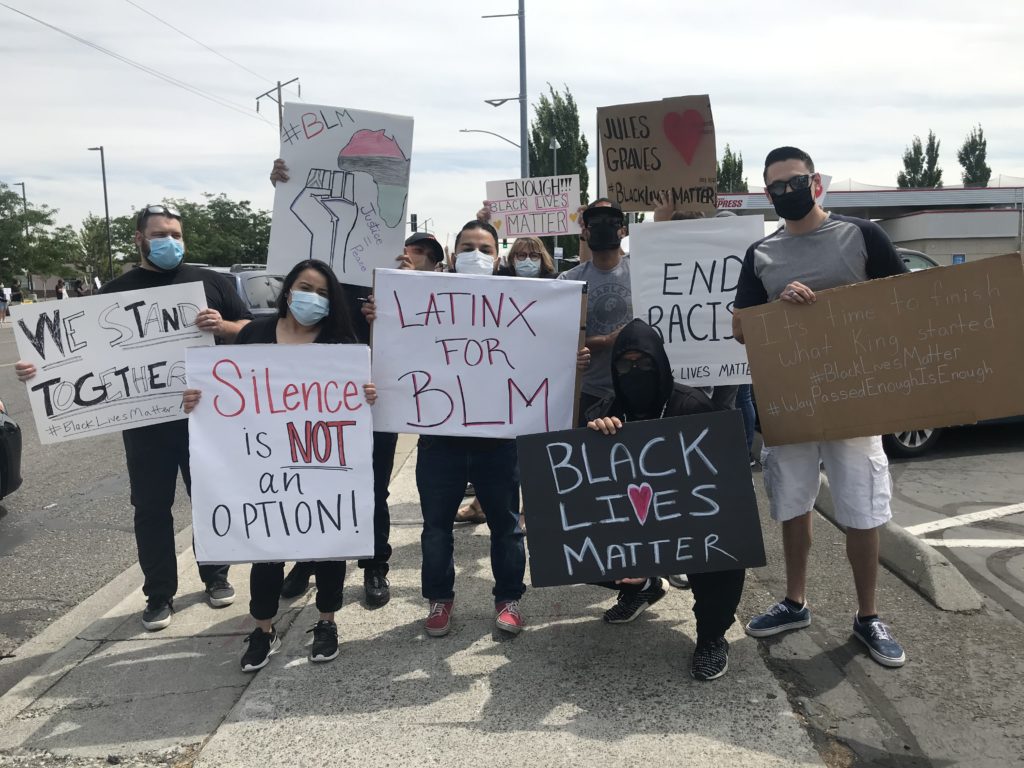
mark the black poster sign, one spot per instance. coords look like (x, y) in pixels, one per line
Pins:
(664, 496)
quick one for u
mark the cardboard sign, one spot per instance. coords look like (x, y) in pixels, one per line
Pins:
(110, 362)
(684, 276)
(660, 152)
(933, 348)
(660, 497)
(281, 448)
(345, 200)
(473, 355)
(535, 207)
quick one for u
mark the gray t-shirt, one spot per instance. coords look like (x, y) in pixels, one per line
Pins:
(609, 307)
(842, 251)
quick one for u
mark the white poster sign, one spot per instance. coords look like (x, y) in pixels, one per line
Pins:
(684, 276)
(535, 207)
(345, 200)
(110, 362)
(281, 448)
(474, 355)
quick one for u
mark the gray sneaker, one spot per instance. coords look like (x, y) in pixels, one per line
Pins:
(779, 618)
(157, 614)
(219, 594)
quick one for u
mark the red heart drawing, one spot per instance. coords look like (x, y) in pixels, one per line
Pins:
(684, 131)
(640, 496)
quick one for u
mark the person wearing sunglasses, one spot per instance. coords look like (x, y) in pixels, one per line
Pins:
(156, 453)
(644, 390)
(609, 298)
(815, 251)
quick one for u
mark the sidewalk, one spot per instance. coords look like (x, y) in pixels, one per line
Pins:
(569, 689)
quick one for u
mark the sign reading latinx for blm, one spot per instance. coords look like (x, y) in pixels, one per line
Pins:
(659, 497)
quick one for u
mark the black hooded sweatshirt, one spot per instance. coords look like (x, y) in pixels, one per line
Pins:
(674, 399)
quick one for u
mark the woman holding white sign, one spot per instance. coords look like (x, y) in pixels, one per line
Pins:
(311, 309)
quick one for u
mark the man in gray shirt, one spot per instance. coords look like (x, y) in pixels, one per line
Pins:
(813, 252)
(609, 298)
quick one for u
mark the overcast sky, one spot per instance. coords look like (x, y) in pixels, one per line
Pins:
(852, 86)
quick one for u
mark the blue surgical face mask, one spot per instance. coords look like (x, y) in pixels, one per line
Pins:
(308, 308)
(165, 253)
(474, 263)
(526, 268)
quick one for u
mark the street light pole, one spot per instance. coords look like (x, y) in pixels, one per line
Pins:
(24, 208)
(106, 209)
(555, 146)
(491, 133)
(524, 142)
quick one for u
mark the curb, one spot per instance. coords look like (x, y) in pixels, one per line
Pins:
(918, 564)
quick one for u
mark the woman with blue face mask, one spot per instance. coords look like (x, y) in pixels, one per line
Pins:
(311, 309)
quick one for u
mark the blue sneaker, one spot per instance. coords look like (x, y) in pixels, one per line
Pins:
(779, 618)
(881, 644)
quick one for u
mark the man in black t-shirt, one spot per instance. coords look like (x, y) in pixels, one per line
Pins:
(156, 453)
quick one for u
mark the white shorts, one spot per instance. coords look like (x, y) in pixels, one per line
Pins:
(858, 476)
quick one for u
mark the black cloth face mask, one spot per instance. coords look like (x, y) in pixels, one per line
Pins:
(603, 236)
(640, 393)
(793, 206)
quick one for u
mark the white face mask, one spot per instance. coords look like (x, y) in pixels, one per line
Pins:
(474, 263)
(527, 268)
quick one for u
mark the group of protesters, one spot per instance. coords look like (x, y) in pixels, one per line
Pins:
(626, 377)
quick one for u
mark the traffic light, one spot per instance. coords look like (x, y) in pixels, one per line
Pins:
(412, 222)
(504, 242)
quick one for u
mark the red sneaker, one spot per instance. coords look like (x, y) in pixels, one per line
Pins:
(439, 620)
(509, 618)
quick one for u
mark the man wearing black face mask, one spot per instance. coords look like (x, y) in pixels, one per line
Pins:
(644, 390)
(813, 252)
(156, 453)
(609, 299)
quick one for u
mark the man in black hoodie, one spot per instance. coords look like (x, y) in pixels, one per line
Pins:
(644, 390)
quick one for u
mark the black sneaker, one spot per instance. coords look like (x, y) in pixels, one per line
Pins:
(220, 593)
(679, 581)
(325, 641)
(262, 646)
(158, 613)
(632, 603)
(296, 582)
(710, 659)
(377, 586)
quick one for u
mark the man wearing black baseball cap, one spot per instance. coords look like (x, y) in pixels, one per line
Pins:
(422, 253)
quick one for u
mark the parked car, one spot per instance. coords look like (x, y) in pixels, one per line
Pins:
(10, 454)
(915, 260)
(258, 288)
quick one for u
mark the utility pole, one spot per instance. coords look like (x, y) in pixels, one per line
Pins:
(524, 141)
(274, 94)
(555, 146)
(24, 208)
(106, 210)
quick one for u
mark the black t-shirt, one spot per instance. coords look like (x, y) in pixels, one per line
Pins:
(220, 294)
(355, 295)
(263, 330)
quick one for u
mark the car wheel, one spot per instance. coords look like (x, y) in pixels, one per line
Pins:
(912, 443)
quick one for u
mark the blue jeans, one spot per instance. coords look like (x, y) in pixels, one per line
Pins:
(745, 402)
(443, 467)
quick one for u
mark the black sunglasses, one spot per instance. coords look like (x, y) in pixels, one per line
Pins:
(778, 188)
(624, 365)
(158, 210)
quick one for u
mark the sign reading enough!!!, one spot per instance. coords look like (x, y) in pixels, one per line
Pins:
(659, 497)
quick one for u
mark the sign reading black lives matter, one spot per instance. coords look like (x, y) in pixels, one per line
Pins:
(110, 362)
(660, 497)
(684, 276)
(281, 447)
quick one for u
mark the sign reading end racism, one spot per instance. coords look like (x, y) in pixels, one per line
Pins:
(660, 497)
(659, 153)
(281, 447)
(934, 348)
(535, 207)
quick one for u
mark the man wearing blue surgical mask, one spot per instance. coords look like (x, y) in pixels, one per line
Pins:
(156, 453)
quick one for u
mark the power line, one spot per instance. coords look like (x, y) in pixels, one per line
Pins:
(199, 42)
(142, 67)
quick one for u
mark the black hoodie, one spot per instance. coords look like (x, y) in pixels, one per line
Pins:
(676, 399)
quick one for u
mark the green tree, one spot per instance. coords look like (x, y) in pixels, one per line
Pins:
(921, 165)
(221, 232)
(556, 116)
(30, 241)
(730, 172)
(971, 155)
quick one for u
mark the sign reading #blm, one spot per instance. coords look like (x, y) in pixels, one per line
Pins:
(660, 153)
(659, 497)
(110, 362)
(934, 348)
(471, 355)
(281, 447)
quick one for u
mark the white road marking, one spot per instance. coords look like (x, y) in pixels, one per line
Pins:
(977, 543)
(965, 519)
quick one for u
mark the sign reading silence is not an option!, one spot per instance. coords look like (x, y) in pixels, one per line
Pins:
(281, 447)
(659, 497)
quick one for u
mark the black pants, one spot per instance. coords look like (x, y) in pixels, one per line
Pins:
(155, 455)
(265, 580)
(715, 598)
